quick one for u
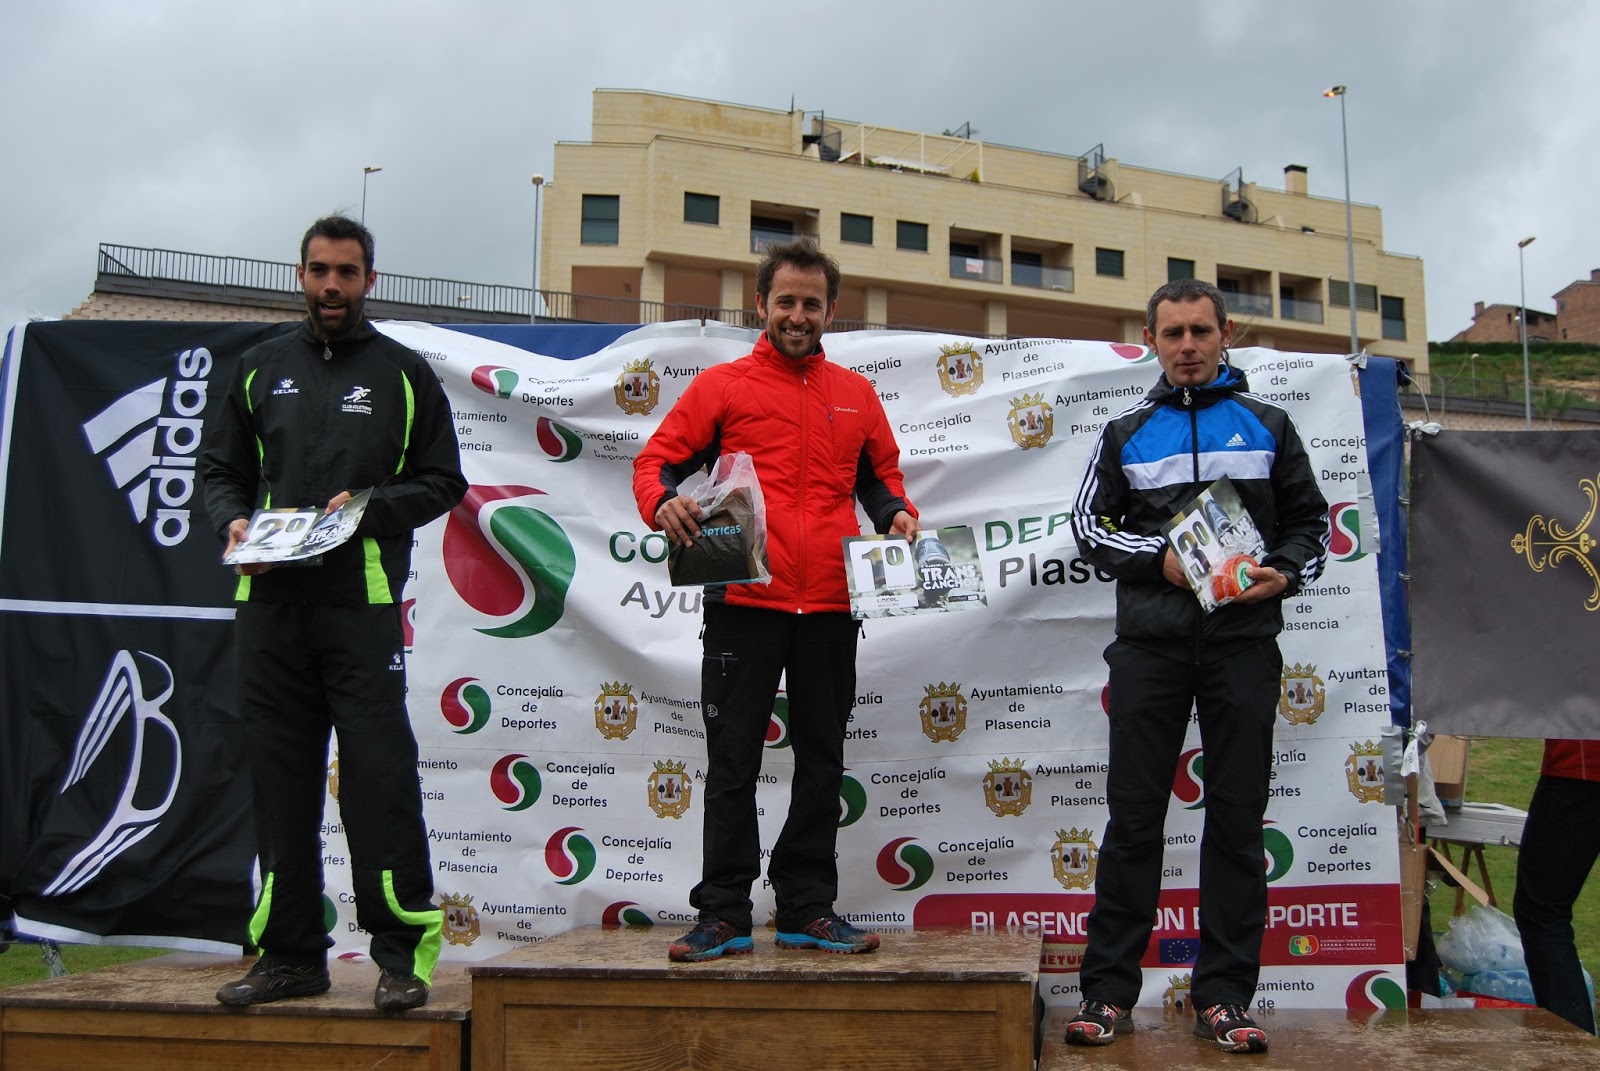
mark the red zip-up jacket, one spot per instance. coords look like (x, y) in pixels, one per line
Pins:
(820, 440)
(1578, 759)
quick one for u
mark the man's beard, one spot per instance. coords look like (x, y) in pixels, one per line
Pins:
(355, 311)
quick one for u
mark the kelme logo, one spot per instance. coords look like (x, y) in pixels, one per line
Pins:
(1189, 784)
(508, 560)
(1344, 532)
(559, 442)
(1133, 354)
(905, 864)
(1374, 991)
(625, 913)
(515, 782)
(495, 379)
(852, 801)
(778, 724)
(465, 705)
(1279, 851)
(569, 855)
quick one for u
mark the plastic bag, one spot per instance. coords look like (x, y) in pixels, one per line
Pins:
(732, 545)
(1484, 939)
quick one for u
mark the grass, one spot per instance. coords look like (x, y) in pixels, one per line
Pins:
(1503, 770)
(23, 963)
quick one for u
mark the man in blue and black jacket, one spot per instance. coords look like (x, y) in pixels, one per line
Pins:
(1196, 425)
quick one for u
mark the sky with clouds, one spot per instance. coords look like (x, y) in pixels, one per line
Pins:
(225, 128)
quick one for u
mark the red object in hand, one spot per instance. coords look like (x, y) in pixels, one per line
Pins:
(1229, 581)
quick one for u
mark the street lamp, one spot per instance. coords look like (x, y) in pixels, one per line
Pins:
(1522, 317)
(533, 296)
(1349, 230)
(365, 171)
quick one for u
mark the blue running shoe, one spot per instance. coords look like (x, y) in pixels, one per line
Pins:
(830, 933)
(711, 937)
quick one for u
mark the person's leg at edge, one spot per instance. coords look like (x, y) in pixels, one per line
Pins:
(1560, 843)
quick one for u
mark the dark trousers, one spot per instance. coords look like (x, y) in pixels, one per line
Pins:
(303, 670)
(745, 651)
(1560, 842)
(1150, 700)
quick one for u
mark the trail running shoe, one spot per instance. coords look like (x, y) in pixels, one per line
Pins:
(710, 938)
(399, 991)
(830, 933)
(1231, 1027)
(275, 979)
(1095, 1023)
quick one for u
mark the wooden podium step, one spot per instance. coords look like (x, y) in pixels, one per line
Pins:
(1430, 1040)
(161, 1014)
(598, 999)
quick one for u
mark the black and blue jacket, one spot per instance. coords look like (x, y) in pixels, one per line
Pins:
(1150, 462)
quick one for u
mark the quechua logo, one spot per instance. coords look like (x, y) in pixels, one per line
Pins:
(559, 442)
(625, 913)
(515, 782)
(508, 560)
(495, 379)
(466, 706)
(1189, 784)
(904, 864)
(1344, 532)
(569, 855)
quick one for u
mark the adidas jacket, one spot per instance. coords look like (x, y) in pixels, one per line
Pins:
(1150, 462)
(303, 420)
(819, 438)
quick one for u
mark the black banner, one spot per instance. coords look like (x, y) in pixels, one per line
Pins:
(1505, 589)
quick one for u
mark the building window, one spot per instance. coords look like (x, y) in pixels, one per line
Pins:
(853, 228)
(1108, 262)
(601, 211)
(1339, 295)
(1394, 317)
(1179, 269)
(913, 236)
(702, 208)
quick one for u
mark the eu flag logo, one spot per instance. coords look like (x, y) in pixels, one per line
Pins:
(1178, 951)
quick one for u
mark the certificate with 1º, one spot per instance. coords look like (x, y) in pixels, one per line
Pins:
(297, 535)
(889, 577)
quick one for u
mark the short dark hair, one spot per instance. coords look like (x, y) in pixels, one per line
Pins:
(337, 228)
(801, 254)
(1184, 291)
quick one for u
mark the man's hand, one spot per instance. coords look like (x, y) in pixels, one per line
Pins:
(337, 500)
(1265, 583)
(238, 528)
(1172, 569)
(679, 518)
(906, 526)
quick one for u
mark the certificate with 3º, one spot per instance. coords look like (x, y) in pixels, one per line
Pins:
(298, 535)
(889, 577)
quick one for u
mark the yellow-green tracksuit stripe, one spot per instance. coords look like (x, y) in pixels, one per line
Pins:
(378, 592)
(241, 593)
(258, 921)
(426, 956)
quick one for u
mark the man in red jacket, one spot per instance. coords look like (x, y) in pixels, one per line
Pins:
(820, 441)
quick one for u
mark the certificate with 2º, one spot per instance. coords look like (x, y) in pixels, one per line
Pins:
(889, 577)
(297, 535)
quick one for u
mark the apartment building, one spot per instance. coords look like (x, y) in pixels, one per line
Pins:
(673, 199)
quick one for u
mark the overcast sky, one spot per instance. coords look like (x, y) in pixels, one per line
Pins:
(225, 128)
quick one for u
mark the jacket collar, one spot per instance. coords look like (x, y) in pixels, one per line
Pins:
(768, 354)
(363, 331)
(1229, 381)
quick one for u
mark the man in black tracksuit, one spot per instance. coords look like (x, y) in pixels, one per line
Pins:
(1195, 426)
(310, 417)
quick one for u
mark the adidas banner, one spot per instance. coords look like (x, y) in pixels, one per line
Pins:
(1505, 581)
(554, 671)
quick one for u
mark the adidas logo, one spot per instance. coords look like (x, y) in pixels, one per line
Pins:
(1237, 440)
(149, 438)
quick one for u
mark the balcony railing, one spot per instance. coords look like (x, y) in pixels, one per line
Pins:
(1496, 394)
(762, 237)
(1248, 304)
(1041, 277)
(978, 269)
(1306, 310)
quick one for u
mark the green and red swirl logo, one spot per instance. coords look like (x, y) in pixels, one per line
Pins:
(1189, 784)
(408, 623)
(569, 855)
(330, 914)
(508, 560)
(1279, 851)
(495, 379)
(1374, 991)
(1344, 532)
(778, 724)
(625, 913)
(559, 442)
(904, 864)
(514, 780)
(1133, 354)
(465, 705)
(852, 801)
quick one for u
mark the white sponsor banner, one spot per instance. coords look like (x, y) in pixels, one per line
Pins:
(554, 675)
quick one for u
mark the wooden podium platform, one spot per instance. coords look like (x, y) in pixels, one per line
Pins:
(601, 999)
(160, 1014)
(1434, 1040)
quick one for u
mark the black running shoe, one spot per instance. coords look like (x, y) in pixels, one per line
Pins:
(399, 991)
(275, 979)
(1095, 1023)
(1231, 1027)
(830, 933)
